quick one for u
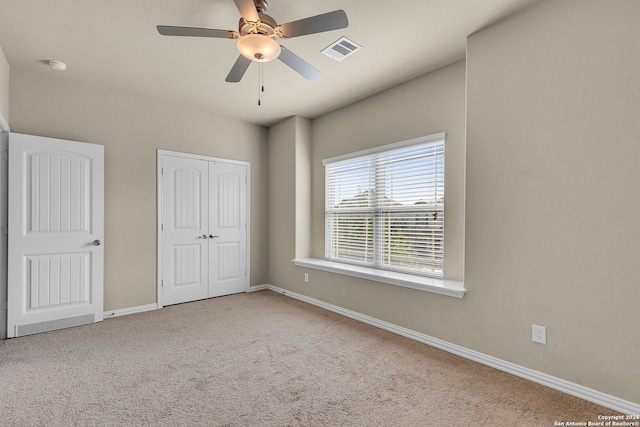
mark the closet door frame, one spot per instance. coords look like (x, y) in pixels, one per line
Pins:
(4, 216)
(160, 157)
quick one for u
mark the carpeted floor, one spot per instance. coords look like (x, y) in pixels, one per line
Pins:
(259, 359)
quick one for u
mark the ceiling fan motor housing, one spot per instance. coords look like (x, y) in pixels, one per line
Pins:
(266, 26)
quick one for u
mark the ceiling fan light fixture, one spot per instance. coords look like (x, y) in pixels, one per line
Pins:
(258, 47)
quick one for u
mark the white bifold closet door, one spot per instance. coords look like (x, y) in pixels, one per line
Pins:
(55, 268)
(203, 230)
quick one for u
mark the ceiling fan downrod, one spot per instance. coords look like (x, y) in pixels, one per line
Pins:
(261, 5)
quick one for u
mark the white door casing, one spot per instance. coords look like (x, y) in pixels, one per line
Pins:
(4, 188)
(203, 231)
(56, 227)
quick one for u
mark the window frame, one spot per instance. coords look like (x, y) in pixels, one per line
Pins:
(379, 210)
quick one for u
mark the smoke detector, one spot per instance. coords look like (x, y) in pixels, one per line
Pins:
(57, 65)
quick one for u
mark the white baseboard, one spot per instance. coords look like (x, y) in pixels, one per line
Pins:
(130, 310)
(564, 386)
(258, 288)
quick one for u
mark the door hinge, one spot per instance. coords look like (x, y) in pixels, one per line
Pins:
(162, 283)
(5, 154)
(5, 229)
(4, 306)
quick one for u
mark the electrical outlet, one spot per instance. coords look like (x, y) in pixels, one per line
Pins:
(306, 277)
(539, 334)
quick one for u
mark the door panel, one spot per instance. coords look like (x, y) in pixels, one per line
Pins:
(55, 216)
(187, 192)
(58, 279)
(187, 265)
(228, 265)
(54, 178)
(228, 219)
(228, 197)
(185, 224)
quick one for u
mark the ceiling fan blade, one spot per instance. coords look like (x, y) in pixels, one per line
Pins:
(238, 69)
(247, 10)
(298, 64)
(315, 24)
(167, 30)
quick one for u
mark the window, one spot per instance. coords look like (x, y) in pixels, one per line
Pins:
(384, 207)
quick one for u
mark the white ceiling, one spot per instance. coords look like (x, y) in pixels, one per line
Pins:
(114, 44)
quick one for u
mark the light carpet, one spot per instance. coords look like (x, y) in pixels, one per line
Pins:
(259, 359)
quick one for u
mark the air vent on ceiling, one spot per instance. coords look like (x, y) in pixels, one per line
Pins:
(341, 48)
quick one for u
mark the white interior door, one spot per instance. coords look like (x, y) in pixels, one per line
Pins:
(185, 229)
(56, 200)
(227, 229)
(203, 250)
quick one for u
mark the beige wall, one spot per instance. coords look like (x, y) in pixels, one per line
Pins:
(131, 129)
(4, 86)
(303, 188)
(553, 185)
(429, 104)
(289, 196)
(282, 187)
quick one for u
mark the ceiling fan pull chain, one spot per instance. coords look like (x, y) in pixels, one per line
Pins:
(260, 80)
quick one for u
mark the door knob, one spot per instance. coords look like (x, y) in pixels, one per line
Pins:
(204, 236)
(97, 242)
(211, 236)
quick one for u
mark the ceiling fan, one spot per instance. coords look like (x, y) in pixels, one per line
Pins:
(257, 35)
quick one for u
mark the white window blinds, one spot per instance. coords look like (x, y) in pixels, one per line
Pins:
(384, 208)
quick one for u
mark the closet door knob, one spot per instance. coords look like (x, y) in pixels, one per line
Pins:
(97, 242)
(204, 236)
(211, 236)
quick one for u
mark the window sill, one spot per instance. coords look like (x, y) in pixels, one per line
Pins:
(450, 288)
